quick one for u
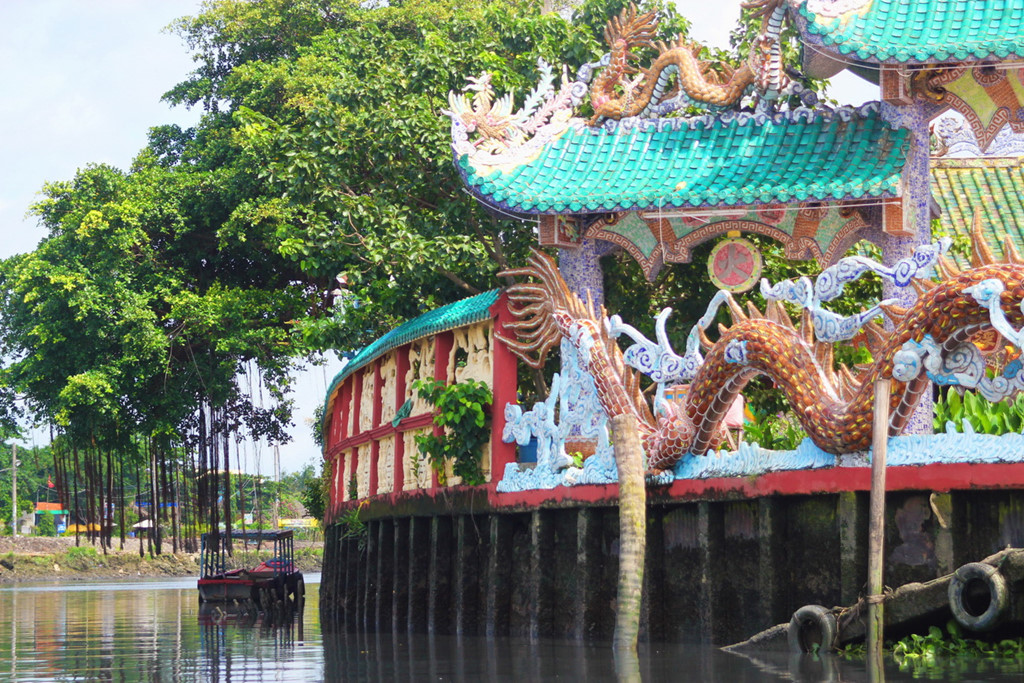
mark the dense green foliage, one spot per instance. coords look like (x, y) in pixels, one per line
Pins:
(335, 106)
(780, 432)
(461, 414)
(985, 417)
(315, 494)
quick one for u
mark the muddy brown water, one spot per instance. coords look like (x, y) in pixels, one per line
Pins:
(153, 631)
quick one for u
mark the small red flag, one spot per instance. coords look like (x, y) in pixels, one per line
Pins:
(49, 482)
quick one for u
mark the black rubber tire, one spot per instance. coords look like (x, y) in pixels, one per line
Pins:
(967, 583)
(812, 624)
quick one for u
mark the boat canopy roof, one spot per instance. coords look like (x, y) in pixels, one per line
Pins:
(276, 535)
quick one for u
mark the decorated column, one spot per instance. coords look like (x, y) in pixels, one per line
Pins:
(906, 224)
(581, 269)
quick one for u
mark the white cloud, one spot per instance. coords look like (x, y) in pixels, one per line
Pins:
(711, 22)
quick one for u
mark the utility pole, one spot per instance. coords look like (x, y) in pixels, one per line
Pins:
(14, 490)
(277, 483)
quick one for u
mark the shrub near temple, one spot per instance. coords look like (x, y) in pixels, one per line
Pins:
(461, 412)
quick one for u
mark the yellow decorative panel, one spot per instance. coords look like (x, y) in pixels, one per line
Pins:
(388, 376)
(421, 366)
(346, 476)
(386, 465)
(350, 420)
(363, 471)
(471, 356)
(416, 466)
(485, 462)
(366, 401)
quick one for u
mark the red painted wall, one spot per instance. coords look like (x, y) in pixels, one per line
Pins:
(341, 444)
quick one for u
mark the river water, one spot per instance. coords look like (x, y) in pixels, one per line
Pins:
(153, 631)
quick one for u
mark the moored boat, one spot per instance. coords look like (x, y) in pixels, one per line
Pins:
(273, 583)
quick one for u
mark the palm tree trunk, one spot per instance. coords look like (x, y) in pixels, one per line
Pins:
(632, 530)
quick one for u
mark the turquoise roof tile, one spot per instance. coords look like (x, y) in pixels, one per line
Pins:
(920, 31)
(464, 312)
(992, 186)
(736, 160)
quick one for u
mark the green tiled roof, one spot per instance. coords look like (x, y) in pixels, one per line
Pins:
(914, 31)
(993, 186)
(728, 160)
(464, 312)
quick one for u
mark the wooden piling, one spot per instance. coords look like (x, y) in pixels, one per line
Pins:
(876, 522)
(633, 531)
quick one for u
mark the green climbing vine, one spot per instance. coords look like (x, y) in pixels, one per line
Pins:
(461, 413)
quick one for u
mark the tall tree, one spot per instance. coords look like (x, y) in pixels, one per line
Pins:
(338, 104)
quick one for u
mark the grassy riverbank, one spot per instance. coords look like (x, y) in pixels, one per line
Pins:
(45, 559)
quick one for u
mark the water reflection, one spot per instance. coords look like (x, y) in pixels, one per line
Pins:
(145, 631)
(155, 631)
(380, 657)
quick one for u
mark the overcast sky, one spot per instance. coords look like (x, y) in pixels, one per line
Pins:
(81, 83)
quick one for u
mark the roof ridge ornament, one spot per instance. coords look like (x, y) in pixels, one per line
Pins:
(836, 8)
(507, 138)
(616, 93)
(619, 90)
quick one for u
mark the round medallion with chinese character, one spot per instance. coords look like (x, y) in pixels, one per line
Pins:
(735, 264)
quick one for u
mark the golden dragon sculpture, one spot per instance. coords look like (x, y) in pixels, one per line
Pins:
(834, 405)
(622, 90)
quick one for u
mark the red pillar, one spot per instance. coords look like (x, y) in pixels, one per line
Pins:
(402, 367)
(375, 422)
(443, 344)
(344, 402)
(504, 387)
(357, 403)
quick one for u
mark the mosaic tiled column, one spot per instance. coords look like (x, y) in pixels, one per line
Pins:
(917, 193)
(581, 269)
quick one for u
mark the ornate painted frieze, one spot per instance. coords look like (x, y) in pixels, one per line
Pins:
(388, 387)
(955, 137)
(988, 97)
(806, 231)
(366, 401)
(363, 470)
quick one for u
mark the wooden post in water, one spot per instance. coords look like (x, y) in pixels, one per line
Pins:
(876, 523)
